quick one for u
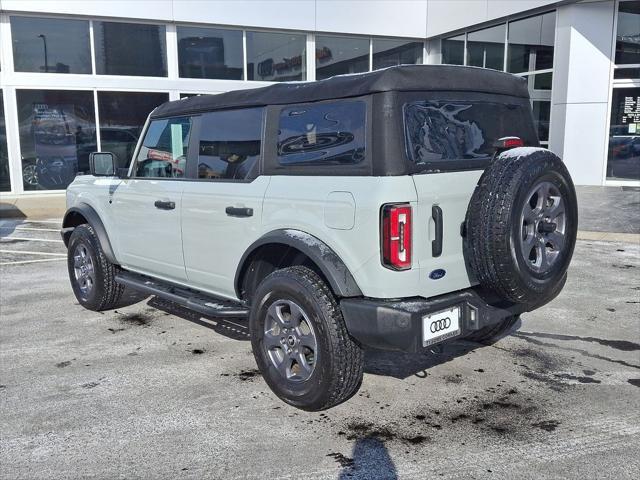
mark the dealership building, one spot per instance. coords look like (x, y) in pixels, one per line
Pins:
(81, 76)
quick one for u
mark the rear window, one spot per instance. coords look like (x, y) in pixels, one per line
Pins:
(453, 131)
(322, 134)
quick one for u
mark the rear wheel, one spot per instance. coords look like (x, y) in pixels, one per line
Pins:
(92, 275)
(301, 343)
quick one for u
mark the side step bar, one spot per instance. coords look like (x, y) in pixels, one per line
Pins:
(200, 302)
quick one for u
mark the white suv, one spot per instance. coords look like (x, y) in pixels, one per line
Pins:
(396, 209)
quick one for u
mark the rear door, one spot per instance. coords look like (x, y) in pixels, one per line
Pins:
(147, 206)
(449, 142)
(222, 204)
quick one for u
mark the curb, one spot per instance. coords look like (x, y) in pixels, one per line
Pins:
(609, 236)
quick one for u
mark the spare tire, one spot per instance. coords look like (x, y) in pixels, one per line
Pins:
(521, 225)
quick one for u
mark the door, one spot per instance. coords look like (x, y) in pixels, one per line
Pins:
(147, 206)
(222, 209)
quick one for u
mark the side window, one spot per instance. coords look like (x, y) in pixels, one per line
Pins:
(322, 134)
(230, 142)
(164, 150)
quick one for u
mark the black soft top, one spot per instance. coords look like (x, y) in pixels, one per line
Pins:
(401, 78)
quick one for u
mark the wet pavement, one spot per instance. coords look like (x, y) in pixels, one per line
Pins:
(154, 391)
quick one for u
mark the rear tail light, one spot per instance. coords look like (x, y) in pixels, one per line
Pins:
(396, 236)
(505, 143)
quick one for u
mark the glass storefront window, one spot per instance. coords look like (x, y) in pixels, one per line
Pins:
(388, 52)
(628, 36)
(338, 55)
(453, 50)
(122, 116)
(57, 133)
(624, 135)
(276, 56)
(485, 48)
(541, 118)
(210, 53)
(50, 45)
(5, 180)
(530, 44)
(136, 49)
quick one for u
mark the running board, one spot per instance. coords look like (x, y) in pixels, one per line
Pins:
(197, 301)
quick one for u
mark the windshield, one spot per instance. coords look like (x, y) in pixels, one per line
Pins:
(454, 131)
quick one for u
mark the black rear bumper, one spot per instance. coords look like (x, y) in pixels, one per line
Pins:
(397, 324)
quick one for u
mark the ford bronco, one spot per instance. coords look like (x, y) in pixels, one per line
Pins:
(396, 209)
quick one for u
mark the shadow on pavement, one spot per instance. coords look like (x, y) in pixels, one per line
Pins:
(370, 460)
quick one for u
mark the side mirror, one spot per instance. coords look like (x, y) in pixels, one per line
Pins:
(102, 164)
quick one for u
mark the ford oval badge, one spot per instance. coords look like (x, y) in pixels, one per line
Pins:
(437, 274)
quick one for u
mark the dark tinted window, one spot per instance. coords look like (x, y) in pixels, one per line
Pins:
(531, 43)
(130, 49)
(326, 133)
(210, 53)
(164, 150)
(122, 116)
(624, 135)
(628, 36)
(444, 131)
(388, 52)
(50, 45)
(230, 144)
(5, 183)
(57, 134)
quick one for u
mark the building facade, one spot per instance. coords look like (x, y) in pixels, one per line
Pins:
(76, 77)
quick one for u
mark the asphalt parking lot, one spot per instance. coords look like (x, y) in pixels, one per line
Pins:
(152, 391)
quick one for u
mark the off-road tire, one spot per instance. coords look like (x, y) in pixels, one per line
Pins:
(339, 362)
(105, 293)
(491, 332)
(493, 247)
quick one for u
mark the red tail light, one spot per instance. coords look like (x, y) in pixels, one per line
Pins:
(396, 236)
(506, 143)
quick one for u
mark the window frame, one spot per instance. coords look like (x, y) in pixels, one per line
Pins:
(272, 165)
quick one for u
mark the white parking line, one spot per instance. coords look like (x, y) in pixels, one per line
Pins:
(29, 239)
(27, 252)
(33, 261)
(57, 222)
(31, 229)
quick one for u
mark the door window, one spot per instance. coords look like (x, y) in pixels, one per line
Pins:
(164, 151)
(230, 144)
(323, 134)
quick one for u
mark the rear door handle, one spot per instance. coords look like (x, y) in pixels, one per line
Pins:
(436, 245)
(239, 211)
(165, 205)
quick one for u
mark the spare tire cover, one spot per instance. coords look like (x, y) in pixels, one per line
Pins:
(521, 225)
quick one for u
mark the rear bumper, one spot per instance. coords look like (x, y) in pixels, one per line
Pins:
(397, 324)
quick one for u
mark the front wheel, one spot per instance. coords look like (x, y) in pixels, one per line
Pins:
(300, 341)
(92, 275)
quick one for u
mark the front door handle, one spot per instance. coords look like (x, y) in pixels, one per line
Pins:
(165, 205)
(239, 211)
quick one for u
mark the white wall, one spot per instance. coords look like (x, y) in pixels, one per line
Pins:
(581, 88)
(400, 18)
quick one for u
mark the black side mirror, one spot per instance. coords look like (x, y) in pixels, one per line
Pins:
(102, 164)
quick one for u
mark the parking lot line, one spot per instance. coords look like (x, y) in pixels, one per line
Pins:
(30, 229)
(27, 252)
(30, 239)
(32, 261)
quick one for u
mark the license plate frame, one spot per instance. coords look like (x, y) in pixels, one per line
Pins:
(441, 325)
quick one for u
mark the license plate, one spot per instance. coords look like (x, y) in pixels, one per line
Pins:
(440, 326)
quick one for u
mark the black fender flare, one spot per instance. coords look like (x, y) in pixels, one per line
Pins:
(329, 263)
(93, 219)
